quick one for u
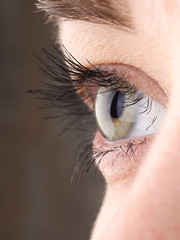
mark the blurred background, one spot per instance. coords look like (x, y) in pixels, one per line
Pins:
(37, 199)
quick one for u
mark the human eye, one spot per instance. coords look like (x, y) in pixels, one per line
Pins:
(109, 102)
(124, 112)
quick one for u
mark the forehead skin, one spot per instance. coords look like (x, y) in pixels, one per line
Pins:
(152, 46)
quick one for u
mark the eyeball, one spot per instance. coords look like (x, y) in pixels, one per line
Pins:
(122, 115)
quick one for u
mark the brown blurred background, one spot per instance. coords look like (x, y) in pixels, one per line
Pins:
(37, 200)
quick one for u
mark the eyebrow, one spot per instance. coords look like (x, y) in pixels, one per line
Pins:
(94, 11)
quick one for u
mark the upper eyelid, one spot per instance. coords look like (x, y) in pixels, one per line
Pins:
(149, 86)
(104, 45)
(77, 72)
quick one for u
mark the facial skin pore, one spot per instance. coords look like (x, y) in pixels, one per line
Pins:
(149, 207)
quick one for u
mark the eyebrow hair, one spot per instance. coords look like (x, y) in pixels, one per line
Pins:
(94, 11)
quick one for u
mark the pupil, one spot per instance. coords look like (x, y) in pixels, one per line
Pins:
(117, 105)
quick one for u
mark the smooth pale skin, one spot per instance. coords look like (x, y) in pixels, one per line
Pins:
(150, 207)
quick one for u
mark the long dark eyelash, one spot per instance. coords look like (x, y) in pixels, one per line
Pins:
(65, 76)
(89, 155)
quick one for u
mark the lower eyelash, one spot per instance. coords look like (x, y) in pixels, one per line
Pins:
(88, 155)
(65, 76)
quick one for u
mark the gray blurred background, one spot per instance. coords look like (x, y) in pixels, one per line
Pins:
(37, 200)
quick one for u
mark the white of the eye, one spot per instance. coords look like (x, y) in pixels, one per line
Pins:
(144, 122)
(147, 122)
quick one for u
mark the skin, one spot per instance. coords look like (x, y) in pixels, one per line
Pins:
(148, 206)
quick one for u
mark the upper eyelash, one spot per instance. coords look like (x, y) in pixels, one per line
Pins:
(72, 73)
(66, 76)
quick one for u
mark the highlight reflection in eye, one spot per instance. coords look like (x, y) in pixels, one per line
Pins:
(124, 115)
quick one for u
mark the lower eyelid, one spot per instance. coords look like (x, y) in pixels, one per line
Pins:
(123, 158)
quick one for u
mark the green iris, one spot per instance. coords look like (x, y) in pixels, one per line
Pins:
(115, 113)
